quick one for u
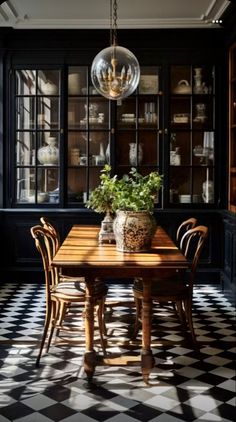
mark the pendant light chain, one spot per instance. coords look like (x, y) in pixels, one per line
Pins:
(115, 22)
(115, 71)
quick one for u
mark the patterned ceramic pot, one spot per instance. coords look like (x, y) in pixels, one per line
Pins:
(49, 155)
(134, 230)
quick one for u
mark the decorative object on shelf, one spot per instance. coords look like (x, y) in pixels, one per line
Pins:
(150, 115)
(185, 199)
(91, 114)
(42, 197)
(181, 118)
(115, 71)
(49, 155)
(208, 191)
(183, 87)
(74, 156)
(200, 113)
(149, 84)
(199, 86)
(54, 196)
(73, 83)
(107, 153)
(102, 154)
(128, 118)
(208, 145)
(175, 157)
(83, 160)
(135, 157)
(48, 88)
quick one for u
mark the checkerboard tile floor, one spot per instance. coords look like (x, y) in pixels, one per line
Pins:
(186, 385)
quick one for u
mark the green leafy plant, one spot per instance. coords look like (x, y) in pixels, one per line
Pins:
(133, 192)
(102, 197)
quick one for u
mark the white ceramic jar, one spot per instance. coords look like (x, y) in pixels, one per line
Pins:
(49, 155)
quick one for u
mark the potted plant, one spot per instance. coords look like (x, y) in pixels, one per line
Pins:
(132, 198)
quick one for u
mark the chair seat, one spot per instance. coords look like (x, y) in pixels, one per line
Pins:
(66, 278)
(75, 290)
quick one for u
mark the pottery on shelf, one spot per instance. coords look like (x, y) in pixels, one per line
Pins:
(48, 88)
(135, 158)
(73, 84)
(49, 155)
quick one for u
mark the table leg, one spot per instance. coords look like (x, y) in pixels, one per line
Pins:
(90, 354)
(147, 361)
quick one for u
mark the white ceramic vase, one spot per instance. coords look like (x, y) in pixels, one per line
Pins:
(49, 155)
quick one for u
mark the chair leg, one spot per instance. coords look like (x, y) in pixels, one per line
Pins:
(45, 331)
(138, 305)
(101, 323)
(54, 317)
(64, 311)
(180, 312)
(188, 312)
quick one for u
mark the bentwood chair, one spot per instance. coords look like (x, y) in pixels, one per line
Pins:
(174, 288)
(48, 225)
(60, 294)
(183, 227)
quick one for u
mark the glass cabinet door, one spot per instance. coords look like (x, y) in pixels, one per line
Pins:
(88, 134)
(138, 121)
(62, 142)
(192, 135)
(37, 136)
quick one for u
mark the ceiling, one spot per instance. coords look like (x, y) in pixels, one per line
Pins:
(95, 13)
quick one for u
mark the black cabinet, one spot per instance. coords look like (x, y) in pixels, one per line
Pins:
(229, 272)
(57, 132)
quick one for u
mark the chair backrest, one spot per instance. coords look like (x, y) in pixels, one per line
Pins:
(45, 242)
(192, 244)
(48, 225)
(183, 228)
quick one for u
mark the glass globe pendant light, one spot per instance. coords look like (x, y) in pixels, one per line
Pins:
(115, 70)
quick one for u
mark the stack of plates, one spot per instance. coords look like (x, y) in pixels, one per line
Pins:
(128, 117)
(184, 199)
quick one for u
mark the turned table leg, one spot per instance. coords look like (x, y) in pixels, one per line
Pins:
(147, 361)
(90, 354)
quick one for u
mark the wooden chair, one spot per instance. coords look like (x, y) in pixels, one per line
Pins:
(174, 288)
(61, 292)
(183, 227)
(48, 225)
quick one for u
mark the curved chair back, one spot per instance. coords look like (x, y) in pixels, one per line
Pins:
(192, 244)
(48, 225)
(183, 228)
(45, 242)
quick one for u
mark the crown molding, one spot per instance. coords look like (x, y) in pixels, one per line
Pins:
(9, 16)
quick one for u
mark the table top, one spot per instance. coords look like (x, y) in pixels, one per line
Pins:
(81, 250)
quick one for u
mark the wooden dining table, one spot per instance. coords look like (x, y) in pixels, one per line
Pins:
(81, 254)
